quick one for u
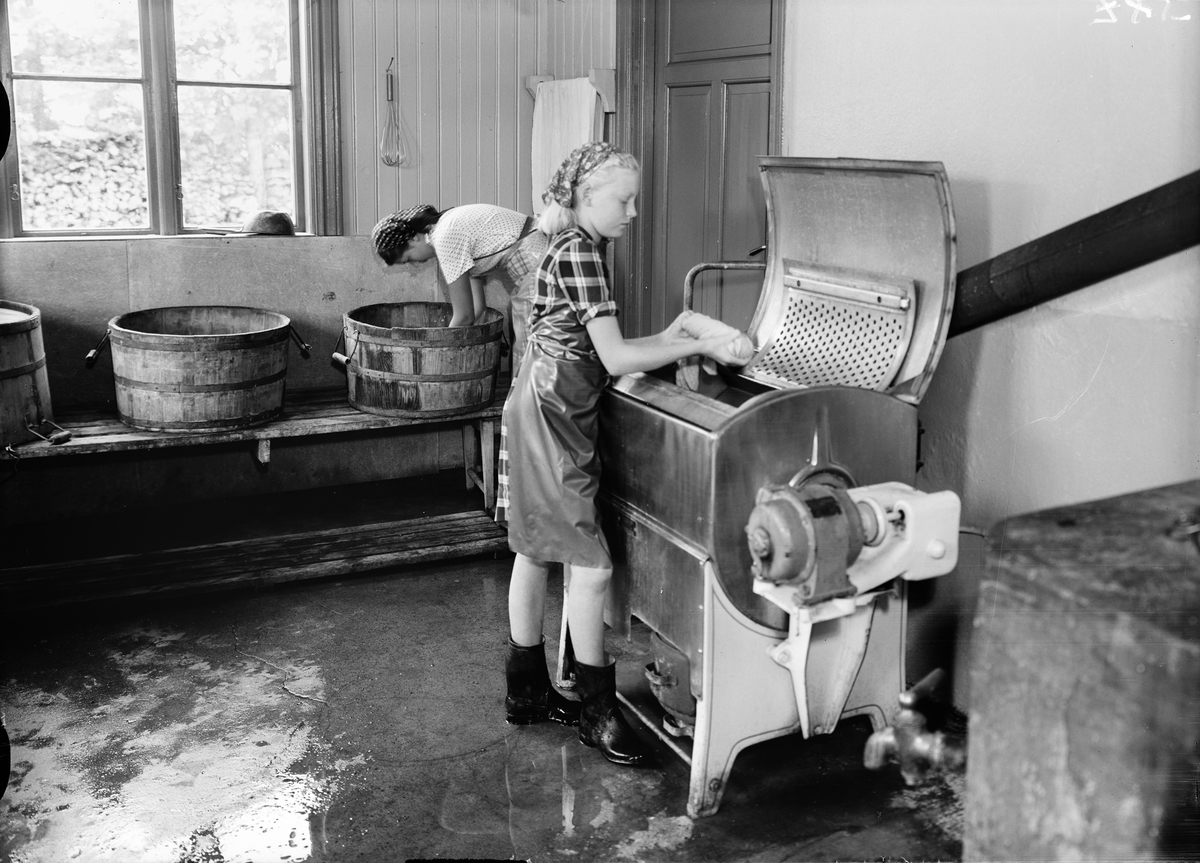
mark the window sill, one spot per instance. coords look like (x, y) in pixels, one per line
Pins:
(90, 238)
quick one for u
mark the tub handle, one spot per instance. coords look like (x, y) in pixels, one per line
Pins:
(305, 348)
(90, 360)
(61, 435)
(340, 360)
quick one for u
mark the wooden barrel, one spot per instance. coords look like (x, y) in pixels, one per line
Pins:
(24, 387)
(199, 368)
(405, 360)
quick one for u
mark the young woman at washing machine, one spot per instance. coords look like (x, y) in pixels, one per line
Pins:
(549, 468)
(469, 243)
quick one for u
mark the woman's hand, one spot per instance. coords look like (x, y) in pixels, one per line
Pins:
(621, 356)
(735, 351)
(698, 326)
(717, 340)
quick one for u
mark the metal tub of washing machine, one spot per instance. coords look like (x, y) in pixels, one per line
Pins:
(858, 287)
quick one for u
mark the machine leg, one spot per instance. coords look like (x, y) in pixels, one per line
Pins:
(753, 700)
(792, 654)
(835, 656)
(882, 676)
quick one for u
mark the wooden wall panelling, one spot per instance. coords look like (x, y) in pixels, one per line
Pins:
(508, 108)
(453, 107)
(635, 112)
(460, 68)
(527, 64)
(356, 28)
(486, 75)
(422, 30)
(577, 36)
(388, 44)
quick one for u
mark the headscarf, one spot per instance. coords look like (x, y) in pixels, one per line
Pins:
(393, 232)
(576, 168)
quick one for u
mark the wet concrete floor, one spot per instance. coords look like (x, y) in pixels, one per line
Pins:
(362, 719)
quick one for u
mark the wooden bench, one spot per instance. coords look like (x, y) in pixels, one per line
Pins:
(305, 413)
(277, 558)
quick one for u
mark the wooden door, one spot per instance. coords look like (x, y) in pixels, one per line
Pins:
(703, 111)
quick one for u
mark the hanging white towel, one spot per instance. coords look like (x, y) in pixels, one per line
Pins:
(566, 114)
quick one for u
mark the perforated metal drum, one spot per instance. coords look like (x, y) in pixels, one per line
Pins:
(859, 279)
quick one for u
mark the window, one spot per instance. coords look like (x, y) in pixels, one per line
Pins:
(165, 116)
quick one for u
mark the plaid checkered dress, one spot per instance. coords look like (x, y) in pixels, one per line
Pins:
(548, 464)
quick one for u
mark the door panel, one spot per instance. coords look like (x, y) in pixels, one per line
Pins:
(684, 223)
(733, 296)
(711, 29)
(712, 118)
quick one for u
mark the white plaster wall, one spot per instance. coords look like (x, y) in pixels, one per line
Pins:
(1042, 116)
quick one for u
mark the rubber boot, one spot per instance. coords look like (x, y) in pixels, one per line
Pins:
(601, 723)
(531, 698)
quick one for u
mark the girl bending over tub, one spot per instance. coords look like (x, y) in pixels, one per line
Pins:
(469, 243)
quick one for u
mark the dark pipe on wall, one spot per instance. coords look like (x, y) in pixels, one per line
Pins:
(1135, 232)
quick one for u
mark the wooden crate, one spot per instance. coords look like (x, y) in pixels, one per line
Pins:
(1084, 740)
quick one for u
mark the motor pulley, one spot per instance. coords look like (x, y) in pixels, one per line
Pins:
(806, 537)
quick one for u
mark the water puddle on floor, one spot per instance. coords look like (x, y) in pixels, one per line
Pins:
(545, 793)
(169, 750)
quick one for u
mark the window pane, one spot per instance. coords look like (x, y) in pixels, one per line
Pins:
(236, 153)
(96, 38)
(82, 155)
(233, 41)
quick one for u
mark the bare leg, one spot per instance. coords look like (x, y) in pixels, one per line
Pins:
(585, 613)
(527, 600)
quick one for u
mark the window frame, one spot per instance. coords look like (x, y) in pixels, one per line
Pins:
(316, 150)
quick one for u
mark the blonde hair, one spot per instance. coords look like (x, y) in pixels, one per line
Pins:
(556, 218)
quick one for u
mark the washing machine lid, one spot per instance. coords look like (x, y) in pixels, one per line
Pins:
(859, 283)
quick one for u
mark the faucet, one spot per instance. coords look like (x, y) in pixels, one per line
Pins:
(908, 742)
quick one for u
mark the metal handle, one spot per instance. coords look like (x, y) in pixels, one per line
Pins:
(911, 699)
(305, 348)
(55, 437)
(908, 744)
(714, 265)
(340, 360)
(90, 360)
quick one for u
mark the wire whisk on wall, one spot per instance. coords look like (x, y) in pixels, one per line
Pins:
(393, 146)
